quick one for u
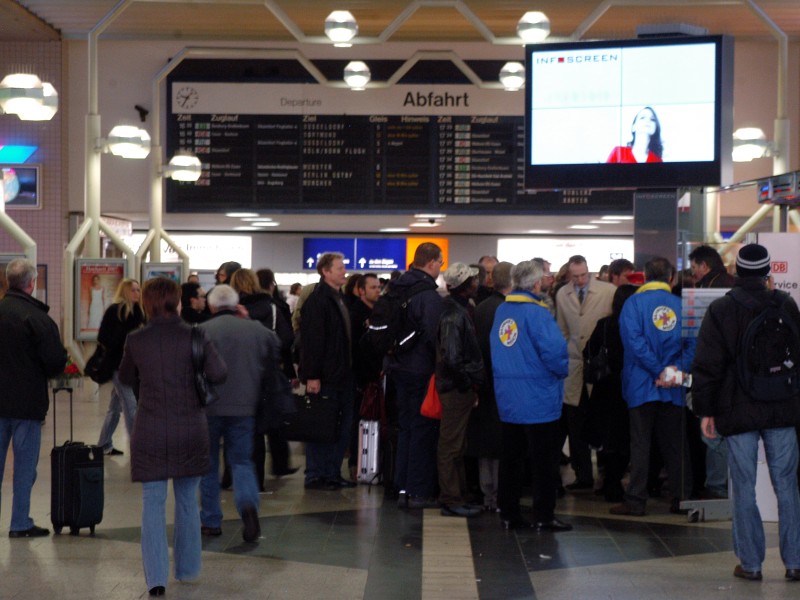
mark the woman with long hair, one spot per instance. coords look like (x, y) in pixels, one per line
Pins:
(123, 316)
(170, 432)
(645, 145)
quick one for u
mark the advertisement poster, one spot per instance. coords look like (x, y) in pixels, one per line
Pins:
(172, 271)
(784, 250)
(96, 280)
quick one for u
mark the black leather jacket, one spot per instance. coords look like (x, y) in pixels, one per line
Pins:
(459, 363)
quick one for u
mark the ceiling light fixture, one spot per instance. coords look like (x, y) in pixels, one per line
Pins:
(618, 217)
(357, 75)
(341, 27)
(184, 166)
(430, 216)
(241, 215)
(540, 231)
(264, 223)
(425, 224)
(24, 95)
(262, 219)
(606, 222)
(533, 27)
(750, 143)
(128, 141)
(583, 227)
(393, 229)
(512, 76)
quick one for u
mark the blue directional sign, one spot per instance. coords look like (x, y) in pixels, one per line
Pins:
(380, 254)
(313, 248)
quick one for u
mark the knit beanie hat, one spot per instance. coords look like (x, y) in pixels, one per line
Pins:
(753, 261)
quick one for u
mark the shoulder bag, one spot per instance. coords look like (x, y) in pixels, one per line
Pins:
(205, 391)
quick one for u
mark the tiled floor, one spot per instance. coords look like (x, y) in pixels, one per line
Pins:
(350, 545)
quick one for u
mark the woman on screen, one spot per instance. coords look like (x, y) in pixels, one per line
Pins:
(645, 144)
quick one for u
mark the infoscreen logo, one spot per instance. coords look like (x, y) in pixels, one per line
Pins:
(578, 59)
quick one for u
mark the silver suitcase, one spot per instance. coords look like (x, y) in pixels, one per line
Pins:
(368, 463)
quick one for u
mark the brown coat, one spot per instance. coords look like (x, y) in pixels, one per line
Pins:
(170, 432)
(577, 322)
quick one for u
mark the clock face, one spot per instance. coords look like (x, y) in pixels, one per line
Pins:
(187, 97)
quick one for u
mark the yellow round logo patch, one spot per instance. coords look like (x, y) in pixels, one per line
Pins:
(508, 332)
(664, 318)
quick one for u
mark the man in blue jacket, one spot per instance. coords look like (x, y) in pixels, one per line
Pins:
(650, 328)
(530, 363)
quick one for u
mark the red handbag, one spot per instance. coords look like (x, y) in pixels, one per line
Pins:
(431, 406)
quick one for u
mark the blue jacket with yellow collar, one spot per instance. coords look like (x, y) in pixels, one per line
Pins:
(529, 360)
(650, 328)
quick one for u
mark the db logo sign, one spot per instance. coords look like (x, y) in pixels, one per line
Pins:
(780, 267)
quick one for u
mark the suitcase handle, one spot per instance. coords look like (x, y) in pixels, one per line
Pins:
(55, 394)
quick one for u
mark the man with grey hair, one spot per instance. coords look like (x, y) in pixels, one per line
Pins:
(326, 369)
(31, 352)
(248, 348)
(530, 363)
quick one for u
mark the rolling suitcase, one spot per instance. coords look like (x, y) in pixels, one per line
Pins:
(368, 452)
(76, 499)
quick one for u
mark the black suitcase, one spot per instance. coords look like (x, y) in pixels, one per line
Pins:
(76, 499)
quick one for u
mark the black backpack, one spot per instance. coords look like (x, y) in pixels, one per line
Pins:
(768, 365)
(390, 329)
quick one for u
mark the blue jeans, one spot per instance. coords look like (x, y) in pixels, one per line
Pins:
(237, 434)
(186, 534)
(417, 439)
(324, 461)
(26, 436)
(122, 400)
(780, 445)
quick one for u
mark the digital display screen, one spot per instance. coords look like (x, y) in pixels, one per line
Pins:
(636, 113)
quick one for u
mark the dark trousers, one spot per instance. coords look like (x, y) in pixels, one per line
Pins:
(663, 421)
(278, 449)
(539, 445)
(580, 455)
(416, 439)
(456, 409)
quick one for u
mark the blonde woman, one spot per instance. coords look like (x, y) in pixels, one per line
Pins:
(123, 316)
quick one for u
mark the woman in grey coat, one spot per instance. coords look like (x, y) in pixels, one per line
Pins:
(170, 432)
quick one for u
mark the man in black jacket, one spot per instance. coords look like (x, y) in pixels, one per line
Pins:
(30, 353)
(410, 371)
(326, 368)
(726, 406)
(459, 372)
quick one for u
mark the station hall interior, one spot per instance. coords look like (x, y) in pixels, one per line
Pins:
(111, 61)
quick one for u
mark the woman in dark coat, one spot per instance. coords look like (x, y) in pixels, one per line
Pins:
(122, 317)
(170, 432)
(607, 425)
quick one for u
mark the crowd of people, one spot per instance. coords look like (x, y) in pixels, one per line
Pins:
(522, 360)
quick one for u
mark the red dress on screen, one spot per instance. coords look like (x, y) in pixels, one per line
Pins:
(624, 154)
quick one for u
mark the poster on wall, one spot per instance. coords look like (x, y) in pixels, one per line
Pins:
(20, 186)
(173, 271)
(784, 249)
(96, 280)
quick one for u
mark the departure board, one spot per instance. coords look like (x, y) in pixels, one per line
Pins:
(305, 156)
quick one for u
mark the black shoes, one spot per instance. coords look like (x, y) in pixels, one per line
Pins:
(515, 523)
(252, 528)
(345, 483)
(793, 574)
(749, 575)
(422, 502)
(159, 590)
(284, 472)
(460, 510)
(580, 486)
(553, 525)
(210, 531)
(29, 533)
(113, 452)
(402, 499)
(322, 484)
(627, 510)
